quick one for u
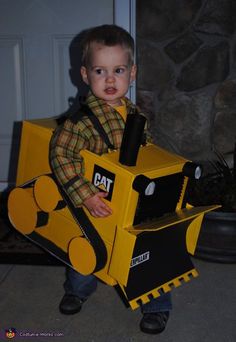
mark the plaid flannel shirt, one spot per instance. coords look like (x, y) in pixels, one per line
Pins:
(70, 138)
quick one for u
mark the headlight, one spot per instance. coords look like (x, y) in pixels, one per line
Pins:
(144, 185)
(192, 170)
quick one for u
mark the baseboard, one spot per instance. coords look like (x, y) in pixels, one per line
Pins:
(4, 186)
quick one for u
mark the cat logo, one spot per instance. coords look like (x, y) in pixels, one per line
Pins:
(104, 180)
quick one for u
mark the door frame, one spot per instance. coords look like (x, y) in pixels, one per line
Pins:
(125, 16)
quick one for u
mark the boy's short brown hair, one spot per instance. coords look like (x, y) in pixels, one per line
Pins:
(108, 35)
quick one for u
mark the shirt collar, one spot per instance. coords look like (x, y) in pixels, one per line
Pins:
(98, 105)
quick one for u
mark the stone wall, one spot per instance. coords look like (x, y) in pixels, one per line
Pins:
(186, 57)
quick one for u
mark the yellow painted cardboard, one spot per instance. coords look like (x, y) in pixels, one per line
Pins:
(137, 246)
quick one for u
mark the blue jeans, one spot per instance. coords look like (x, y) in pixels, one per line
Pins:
(83, 286)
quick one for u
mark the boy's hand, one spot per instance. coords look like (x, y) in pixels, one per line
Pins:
(96, 206)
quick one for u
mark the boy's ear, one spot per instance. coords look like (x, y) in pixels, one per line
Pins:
(84, 75)
(133, 73)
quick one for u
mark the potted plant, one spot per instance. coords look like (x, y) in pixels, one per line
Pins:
(217, 240)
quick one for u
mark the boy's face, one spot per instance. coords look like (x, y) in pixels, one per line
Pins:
(109, 74)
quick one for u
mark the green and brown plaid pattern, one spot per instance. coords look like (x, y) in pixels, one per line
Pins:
(70, 138)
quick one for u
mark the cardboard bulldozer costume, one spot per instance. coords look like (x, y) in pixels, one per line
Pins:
(144, 247)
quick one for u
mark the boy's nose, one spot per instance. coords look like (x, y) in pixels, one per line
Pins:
(110, 78)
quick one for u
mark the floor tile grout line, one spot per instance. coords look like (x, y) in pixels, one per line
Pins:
(9, 270)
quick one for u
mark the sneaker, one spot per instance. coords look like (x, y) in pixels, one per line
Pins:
(70, 304)
(154, 322)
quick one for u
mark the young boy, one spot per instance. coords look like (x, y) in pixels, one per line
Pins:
(108, 68)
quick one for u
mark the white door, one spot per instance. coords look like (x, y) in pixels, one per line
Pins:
(34, 63)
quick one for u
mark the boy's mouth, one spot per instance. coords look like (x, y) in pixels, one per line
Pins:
(110, 91)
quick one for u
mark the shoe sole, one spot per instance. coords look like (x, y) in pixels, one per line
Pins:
(151, 331)
(69, 312)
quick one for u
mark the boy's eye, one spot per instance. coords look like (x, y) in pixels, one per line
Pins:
(98, 71)
(120, 70)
